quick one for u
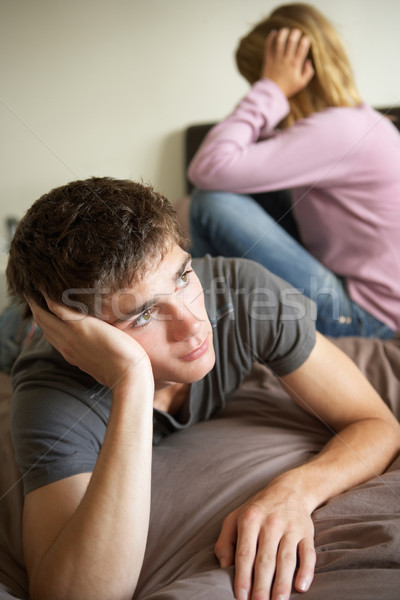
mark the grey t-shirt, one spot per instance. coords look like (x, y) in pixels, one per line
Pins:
(60, 414)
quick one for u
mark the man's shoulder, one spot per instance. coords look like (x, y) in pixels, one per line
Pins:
(250, 289)
(233, 270)
(40, 363)
(225, 280)
(237, 274)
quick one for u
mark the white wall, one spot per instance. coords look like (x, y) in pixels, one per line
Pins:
(107, 87)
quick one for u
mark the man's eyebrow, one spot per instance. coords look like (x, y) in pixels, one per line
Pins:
(146, 305)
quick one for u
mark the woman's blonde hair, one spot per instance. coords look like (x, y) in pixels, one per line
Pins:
(333, 82)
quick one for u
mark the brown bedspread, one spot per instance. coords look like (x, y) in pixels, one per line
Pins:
(202, 474)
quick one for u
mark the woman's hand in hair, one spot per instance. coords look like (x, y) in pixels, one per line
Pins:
(94, 346)
(286, 62)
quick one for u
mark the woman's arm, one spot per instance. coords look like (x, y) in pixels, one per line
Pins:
(273, 531)
(233, 157)
(85, 536)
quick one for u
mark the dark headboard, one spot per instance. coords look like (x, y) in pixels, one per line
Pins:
(195, 134)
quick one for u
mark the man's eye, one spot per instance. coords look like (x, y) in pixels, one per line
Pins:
(184, 278)
(142, 319)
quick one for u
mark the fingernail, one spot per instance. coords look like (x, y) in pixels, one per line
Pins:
(243, 595)
(304, 584)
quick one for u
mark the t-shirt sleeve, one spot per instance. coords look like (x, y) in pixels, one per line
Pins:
(55, 434)
(265, 319)
(281, 323)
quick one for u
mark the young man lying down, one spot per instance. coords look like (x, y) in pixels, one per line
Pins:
(138, 341)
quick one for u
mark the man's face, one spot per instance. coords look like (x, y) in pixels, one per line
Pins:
(165, 314)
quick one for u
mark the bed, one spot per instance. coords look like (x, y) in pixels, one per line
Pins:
(201, 474)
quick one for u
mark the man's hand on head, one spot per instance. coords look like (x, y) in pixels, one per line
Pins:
(92, 345)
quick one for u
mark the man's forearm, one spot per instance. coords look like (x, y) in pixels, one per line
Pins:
(359, 452)
(99, 552)
(368, 434)
(272, 532)
(270, 537)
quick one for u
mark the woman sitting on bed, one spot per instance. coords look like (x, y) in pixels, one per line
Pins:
(303, 126)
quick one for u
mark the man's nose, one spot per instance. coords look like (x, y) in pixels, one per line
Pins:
(184, 324)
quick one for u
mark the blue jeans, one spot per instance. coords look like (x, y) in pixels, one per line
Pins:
(235, 225)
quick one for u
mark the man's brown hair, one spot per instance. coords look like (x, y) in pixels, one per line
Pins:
(90, 235)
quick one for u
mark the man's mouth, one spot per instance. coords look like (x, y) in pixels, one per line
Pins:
(197, 352)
